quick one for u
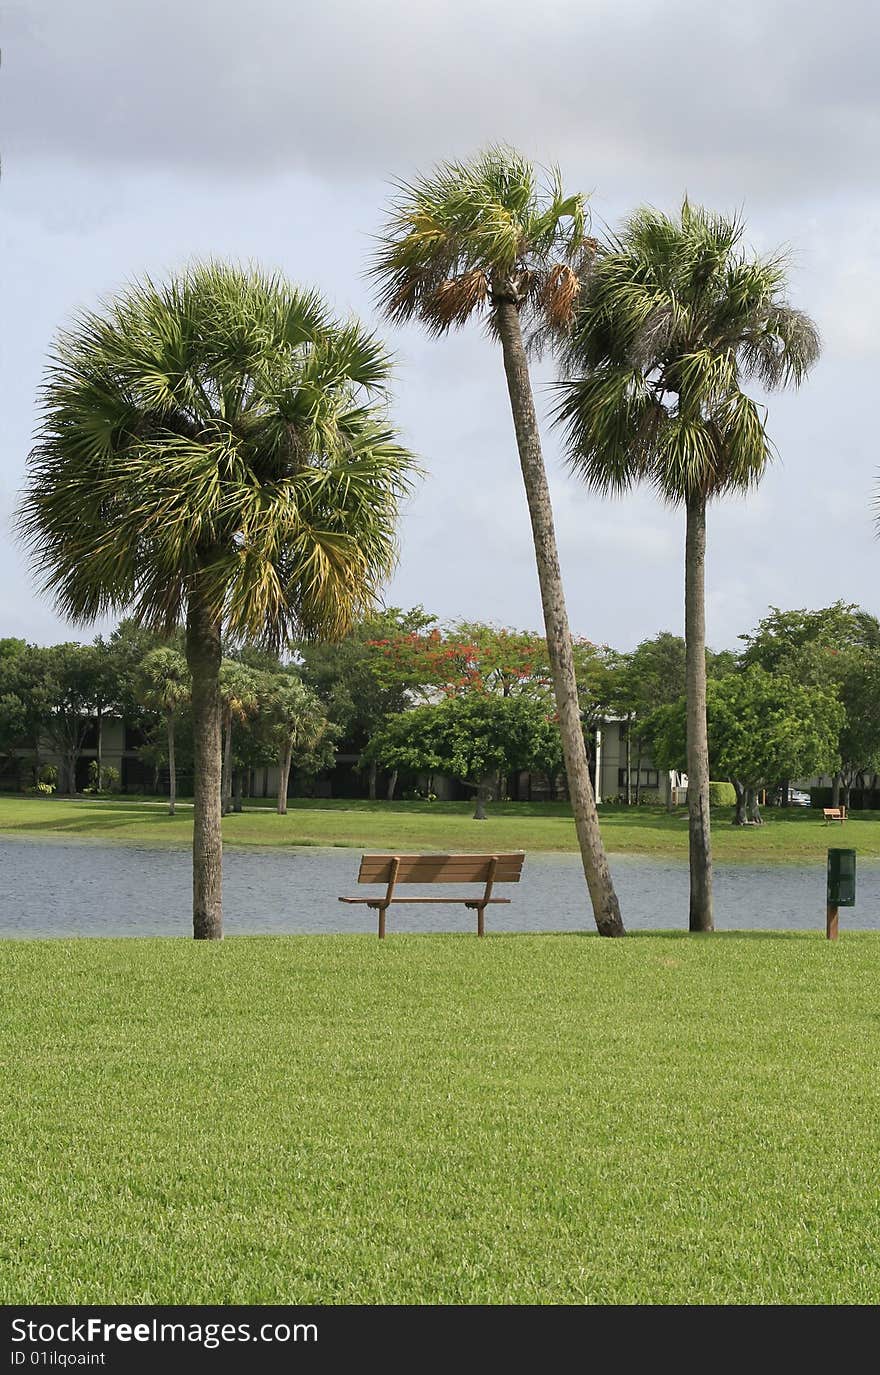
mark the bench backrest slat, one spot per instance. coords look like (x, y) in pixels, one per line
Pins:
(441, 868)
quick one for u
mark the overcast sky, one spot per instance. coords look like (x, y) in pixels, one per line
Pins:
(138, 135)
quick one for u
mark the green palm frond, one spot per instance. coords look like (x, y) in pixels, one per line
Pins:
(610, 419)
(221, 427)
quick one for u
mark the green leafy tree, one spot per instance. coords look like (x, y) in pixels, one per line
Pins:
(73, 684)
(165, 686)
(357, 680)
(28, 688)
(859, 741)
(481, 238)
(215, 451)
(676, 317)
(13, 715)
(762, 727)
(808, 640)
(473, 738)
(839, 646)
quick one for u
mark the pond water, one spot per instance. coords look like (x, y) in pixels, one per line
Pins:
(59, 888)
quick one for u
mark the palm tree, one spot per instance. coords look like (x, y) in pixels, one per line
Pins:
(676, 315)
(299, 724)
(163, 683)
(482, 238)
(215, 451)
(239, 699)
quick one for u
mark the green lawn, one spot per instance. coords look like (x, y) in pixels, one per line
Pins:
(788, 836)
(436, 1119)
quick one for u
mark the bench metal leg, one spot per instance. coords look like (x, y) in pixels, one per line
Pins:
(481, 928)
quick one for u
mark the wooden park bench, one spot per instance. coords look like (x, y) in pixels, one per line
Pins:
(834, 814)
(394, 869)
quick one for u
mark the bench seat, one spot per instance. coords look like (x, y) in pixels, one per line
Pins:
(468, 902)
(394, 869)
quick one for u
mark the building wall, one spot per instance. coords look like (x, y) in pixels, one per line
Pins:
(610, 750)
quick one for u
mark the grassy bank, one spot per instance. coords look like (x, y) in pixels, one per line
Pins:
(436, 1119)
(788, 836)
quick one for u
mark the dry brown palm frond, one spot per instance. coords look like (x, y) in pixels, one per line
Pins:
(559, 292)
(455, 300)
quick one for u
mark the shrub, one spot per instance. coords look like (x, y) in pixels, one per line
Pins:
(722, 795)
(108, 782)
(46, 781)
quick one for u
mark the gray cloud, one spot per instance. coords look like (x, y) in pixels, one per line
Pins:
(763, 98)
(137, 135)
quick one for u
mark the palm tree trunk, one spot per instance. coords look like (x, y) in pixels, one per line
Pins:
(283, 777)
(203, 656)
(172, 771)
(100, 749)
(606, 909)
(700, 842)
(225, 773)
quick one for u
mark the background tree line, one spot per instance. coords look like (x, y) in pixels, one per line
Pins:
(468, 700)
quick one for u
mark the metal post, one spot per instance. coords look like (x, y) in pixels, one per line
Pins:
(598, 758)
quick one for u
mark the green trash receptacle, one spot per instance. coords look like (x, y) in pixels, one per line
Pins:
(841, 878)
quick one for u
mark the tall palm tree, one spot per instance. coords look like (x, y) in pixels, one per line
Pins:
(163, 683)
(676, 315)
(215, 451)
(239, 699)
(481, 238)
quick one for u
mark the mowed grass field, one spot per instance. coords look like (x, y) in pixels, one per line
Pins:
(437, 1119)
(793, 835)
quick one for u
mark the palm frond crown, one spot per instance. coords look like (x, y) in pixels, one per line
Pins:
(223, 428)
(470, 234)
(675, 317)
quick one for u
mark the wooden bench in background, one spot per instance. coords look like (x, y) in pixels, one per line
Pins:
(834, 814)
(394, 869)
